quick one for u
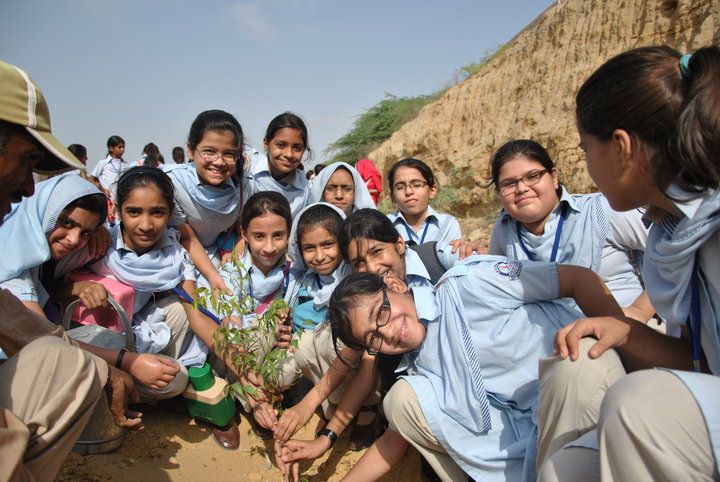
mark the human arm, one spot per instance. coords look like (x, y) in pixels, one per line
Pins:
(296, 417)
(98, 242)
(641, 309)
(638, 345)
(200, 259)
(379, 458)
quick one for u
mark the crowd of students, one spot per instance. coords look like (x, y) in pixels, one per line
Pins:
(511, 365)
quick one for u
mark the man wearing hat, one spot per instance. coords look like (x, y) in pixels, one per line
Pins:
(48, 387)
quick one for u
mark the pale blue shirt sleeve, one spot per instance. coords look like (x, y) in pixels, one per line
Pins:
(22, 287)
(503, 284)
(627, 230)
(444, 253)
(498, 239)
(454, 231)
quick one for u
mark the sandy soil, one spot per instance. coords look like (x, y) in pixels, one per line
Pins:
(173, 447)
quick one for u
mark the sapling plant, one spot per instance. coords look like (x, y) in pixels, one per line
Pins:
(249, 346)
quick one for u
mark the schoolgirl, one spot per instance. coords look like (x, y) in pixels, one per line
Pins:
(45, 239)
(541, 221)
(341, 185)
(412, 187)
(285, 142)
(149, 258)
(207, 198)
(467, 401)
(650, 131)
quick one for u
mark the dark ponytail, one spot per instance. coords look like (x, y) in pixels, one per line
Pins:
(676, 116)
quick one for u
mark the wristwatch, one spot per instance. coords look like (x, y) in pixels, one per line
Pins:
(329, 434)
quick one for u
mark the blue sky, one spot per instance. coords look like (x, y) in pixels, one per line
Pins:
(143, 69)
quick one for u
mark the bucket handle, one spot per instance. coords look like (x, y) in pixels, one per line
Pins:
(127, 325)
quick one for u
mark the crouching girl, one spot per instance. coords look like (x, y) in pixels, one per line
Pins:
(471, 354)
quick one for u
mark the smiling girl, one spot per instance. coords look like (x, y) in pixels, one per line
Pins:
(44, 234)
(541, 221)
(285, 142)
(467, 401)
(207, 198)
(412, 187)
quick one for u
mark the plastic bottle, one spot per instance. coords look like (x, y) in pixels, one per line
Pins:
(205, 397)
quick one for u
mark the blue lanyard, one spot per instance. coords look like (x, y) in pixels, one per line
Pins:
(694, 319)
(410, 232)
(185, 296)
(556, 243)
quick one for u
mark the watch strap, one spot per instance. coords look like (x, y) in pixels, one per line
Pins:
(329, 434)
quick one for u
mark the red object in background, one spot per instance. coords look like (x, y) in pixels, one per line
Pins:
(372, 178)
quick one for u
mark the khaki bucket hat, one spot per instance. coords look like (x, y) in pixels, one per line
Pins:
(22, 103)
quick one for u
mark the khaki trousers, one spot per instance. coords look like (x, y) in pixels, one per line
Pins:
(570, 397)
(649, 427)
(52, 388)
(405, 417)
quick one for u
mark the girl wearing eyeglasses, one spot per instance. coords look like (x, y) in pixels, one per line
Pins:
(471, 353)
(340, 184)
(286, 145)
(208, 199)
(541, 221)
(412, 187)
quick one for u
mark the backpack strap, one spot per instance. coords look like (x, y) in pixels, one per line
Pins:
(431, 261)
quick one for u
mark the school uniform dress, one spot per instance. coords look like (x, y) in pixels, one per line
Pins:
(151, 275)
(587, 233)
(209, 210)
(308, 296)
(362, 198)
(293, 186)
(437, 226)
(475, 374)
(108, 171)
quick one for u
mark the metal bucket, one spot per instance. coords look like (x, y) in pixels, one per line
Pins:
(101, 435)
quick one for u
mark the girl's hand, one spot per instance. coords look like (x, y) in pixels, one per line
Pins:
(92, 294)
(284, 335)
(610, 332)
(217, 284)
(232, 320)
(635, 313)
(153, 371)
(292, 420)
(467, 248)
(293, 451)
(265, 415)
(99, 242)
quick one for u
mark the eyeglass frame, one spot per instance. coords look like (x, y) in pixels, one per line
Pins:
(524, 179)
(384, 306)
(216, 156)
(401, 186)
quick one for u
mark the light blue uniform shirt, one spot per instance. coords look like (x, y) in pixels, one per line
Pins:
(475, 374)
(593, 236)
(436, 226)
(674, 246)
(255, 285)
(293, 186)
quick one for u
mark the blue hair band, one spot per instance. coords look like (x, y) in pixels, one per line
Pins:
(685, 66)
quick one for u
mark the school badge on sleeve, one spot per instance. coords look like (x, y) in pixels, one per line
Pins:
(508, 268)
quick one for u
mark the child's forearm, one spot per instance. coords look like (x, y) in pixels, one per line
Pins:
(641, 309)
(198, 255)
(363, 383)
(588, 290)
(377, 461)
